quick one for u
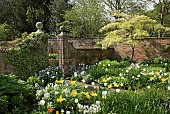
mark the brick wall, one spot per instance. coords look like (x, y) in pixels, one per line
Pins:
(145, 48)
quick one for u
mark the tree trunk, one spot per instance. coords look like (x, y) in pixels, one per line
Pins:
(133, 50)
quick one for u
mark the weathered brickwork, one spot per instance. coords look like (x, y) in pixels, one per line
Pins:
(83, 52)
(144, 49)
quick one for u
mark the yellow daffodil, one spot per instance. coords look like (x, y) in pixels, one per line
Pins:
(104, 80)
(73, 82)
(59, 81)
(110, 86)
(88, 96)
(60, 99)
(164, 79)
(85, 93)
(116, 85)
(157, 73)
(152, 78)
(136, 78)
(57, 112)
(74, 93)
(93, 94)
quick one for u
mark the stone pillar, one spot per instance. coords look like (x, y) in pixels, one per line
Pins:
(63, 51)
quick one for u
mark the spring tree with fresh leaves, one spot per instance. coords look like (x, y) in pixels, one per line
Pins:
(127, 28)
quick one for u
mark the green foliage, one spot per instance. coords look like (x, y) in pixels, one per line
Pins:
(53, 56)
(85, 18)
(159, 62)
(74, 97)
(126, 29)
(161, 12)
(3, 104)
(33, 81)
(17, 96)
(23, 14)
(29, 56)
(34, 14)
(50, 74)
(57, 9)
(6, 32)
(150, 101)
(137, 77)
(107, 67)
(127, 6)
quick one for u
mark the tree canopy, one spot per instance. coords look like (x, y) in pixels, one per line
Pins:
(126, 29)
(23, 14)
(161, 12)
(85, 18)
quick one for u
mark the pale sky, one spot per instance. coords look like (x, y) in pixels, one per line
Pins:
(151, 6)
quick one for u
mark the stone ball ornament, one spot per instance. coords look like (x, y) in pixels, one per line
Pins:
(62, 29)
(39, 25)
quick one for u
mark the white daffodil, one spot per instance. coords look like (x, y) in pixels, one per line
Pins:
(76, 101)
(168, 87)
(42, 102)
(86, 86)
(104, 93)
(92, 83)
(117, 90)
(148, 87)
(97, 102)
(68, 112)
(46, 95)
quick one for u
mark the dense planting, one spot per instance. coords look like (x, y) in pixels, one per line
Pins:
(129, 88)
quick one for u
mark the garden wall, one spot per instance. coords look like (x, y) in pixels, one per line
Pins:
(145, 48)
(83, 52)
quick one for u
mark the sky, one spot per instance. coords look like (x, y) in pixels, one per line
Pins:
(151, 5)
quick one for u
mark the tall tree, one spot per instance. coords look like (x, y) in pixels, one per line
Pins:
(85, 18)
(57, 9)
(161, 12)
(127, 6)
(127, 29)
(23, 14)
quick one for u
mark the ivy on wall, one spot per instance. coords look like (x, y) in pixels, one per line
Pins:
(29, 55)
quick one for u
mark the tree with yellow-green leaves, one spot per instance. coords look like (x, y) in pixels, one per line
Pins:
(127, 28)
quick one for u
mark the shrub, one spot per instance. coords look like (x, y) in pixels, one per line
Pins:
(3, 104)
(16, 95)
(6, 32)
(28, 56)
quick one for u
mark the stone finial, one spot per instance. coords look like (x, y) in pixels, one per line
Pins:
(39, 26)
(62, 29)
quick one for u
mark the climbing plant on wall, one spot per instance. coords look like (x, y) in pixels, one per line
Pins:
(29, 55)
